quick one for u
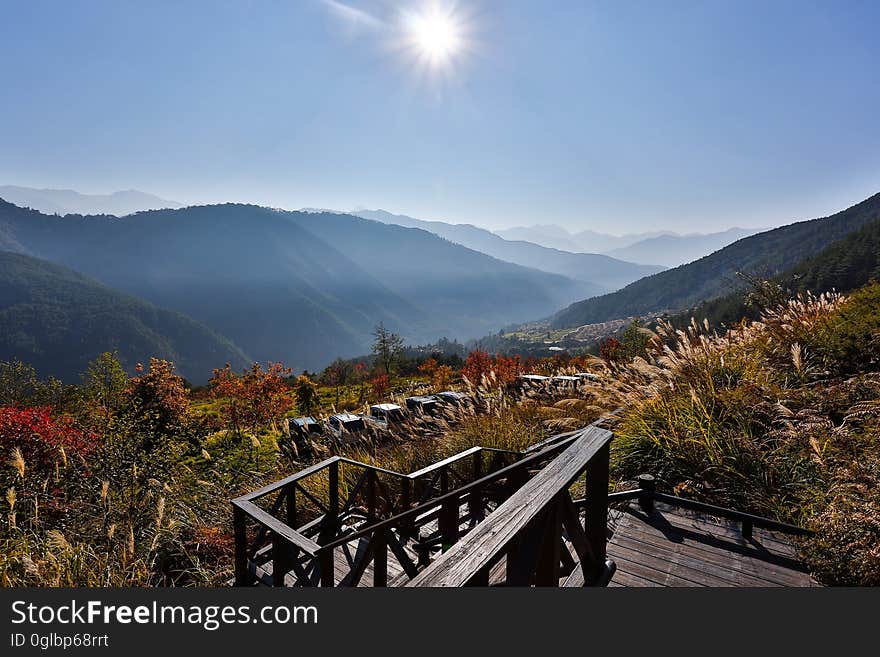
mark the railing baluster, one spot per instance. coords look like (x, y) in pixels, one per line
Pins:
(280, 560)
(547, 571)
(596, 512)
(326, 563)
(371, 495)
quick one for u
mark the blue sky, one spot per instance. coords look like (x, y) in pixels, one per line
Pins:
(615, 116)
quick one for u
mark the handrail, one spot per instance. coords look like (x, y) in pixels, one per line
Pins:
(326, 463)
(648, 495)
(289, 534)
(733, 514)
(447, 461)
(474, 554)
(281, 483)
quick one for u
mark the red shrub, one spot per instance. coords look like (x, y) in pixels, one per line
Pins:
(478, 364)
(380, 384)
(39, 436)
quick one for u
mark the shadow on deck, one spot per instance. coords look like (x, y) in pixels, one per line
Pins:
(677, 547)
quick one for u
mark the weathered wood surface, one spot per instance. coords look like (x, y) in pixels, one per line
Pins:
(481, 547)
(676, 547)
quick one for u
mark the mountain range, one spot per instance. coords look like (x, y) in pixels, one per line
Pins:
(298, 287)
(67, 201)
(672, 250)
(765, 255)
(605, 272)
(664, 248)
(589, 241)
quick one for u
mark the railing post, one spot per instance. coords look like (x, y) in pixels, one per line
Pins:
(371, 495)
(596, 512)
(326, 565)
(747, 529)
(239, 529)
(647, 484)
(280, 560)
(547, 571)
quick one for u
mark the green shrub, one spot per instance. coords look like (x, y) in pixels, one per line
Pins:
(849, 340)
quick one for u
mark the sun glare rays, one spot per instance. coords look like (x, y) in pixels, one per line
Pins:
(434, 38)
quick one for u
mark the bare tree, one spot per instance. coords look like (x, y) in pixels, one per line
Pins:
(387, 347)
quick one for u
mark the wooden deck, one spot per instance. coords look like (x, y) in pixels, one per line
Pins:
(672, 547)
(676, 547)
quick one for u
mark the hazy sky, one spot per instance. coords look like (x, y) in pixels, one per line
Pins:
(616, 116)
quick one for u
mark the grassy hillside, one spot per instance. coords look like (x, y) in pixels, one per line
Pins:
(766, 254)
(59, 320)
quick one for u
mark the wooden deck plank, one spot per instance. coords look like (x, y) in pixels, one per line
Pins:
(774, 543)
(674, 547)
(694, 569)
(693, 547)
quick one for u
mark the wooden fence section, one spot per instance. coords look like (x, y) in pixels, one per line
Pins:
(331, 523)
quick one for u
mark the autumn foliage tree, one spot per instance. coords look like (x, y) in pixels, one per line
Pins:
(480, 364)
(477, 365)
(610, 350)
(253, 399)
(159, 397)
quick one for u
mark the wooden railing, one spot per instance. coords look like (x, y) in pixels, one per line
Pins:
(646, 494)
(291, 531)
(528, 533)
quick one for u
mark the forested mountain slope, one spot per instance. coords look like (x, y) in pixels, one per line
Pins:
(59, 320)
(765, 254)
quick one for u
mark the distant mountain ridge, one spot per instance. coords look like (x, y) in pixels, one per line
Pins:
(602, 271)
(665, 248)
(68, 201)
(59, 320)
(673, 250)
(767, 254)
(586, 241)
(297, 287)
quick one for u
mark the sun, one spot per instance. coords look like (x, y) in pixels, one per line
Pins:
(435, 35)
